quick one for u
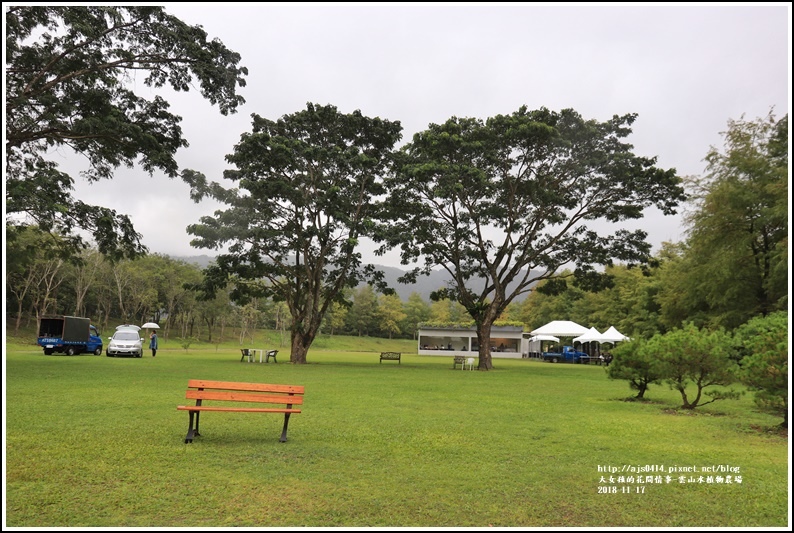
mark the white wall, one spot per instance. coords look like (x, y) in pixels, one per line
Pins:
(468, 337)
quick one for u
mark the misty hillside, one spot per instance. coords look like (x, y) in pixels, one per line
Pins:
(424, 284)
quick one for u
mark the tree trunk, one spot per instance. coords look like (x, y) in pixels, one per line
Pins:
(484, 339)
(19, 317)
(697, 397)
(299, 349)
(209, 328)
(641, 388)
(302, 337)
(686, 405)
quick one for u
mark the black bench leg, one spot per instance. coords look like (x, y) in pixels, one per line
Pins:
(284, 431)
(192, 431)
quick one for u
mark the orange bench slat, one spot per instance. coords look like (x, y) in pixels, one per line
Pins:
(251, 387)
(238, 409)
(241, 397)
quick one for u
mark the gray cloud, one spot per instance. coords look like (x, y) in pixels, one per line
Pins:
(685, 69)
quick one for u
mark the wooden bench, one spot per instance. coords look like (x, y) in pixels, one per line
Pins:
(390, 356)
(458, 360)
(235, 396)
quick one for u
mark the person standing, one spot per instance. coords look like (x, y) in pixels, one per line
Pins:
(153, 343)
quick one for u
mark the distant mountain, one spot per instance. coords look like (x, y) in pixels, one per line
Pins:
(202, 261)
(424, 284)
(438, 279)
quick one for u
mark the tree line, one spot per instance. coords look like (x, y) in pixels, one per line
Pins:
(156, 287)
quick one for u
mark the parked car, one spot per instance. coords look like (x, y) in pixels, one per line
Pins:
(125, 341)
(128, 326)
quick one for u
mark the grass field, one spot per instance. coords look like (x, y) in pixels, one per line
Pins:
(98, 442)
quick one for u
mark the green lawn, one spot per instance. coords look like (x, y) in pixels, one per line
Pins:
(98, 442)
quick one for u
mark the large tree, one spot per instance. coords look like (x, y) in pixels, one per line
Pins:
(307, 190)
(505, 203)
(68, 84)
(735, 265)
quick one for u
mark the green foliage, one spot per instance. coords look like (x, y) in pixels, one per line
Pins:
(390, 314)
(635, 363)
(736, 260)
(126, 291)
(468, 324)
(542, 306)
(306, 192)
(362, 317)
(465, 324)
(513, 323)
(535, 180)
(335, 317)
(765, 368)
(67, 70)
(32, 270)
(696, 357)
(416, 311)
(679, 302)
(630, 304)
(186, 342)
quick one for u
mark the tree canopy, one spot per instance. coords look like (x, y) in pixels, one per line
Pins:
(512, 200)
(692, 357)
(765, 367)
(307, 190)
(68, 84)
(735, 263)
(635, 363)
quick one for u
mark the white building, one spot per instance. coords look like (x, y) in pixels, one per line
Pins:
(506, 341)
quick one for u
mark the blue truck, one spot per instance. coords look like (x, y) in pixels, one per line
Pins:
(567, 355)
(71, 335)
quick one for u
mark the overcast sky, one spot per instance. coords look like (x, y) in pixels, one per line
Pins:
(686, 70)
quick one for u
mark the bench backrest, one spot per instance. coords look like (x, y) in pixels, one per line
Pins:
(232, 391)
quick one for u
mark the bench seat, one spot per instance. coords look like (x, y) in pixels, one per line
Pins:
(246, 396)
(390, 356)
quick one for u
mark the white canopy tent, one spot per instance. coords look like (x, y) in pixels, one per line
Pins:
(536, 338)
(591, 335)
(612, 335)
(589, 338)
(533, 346)
(561, 328)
